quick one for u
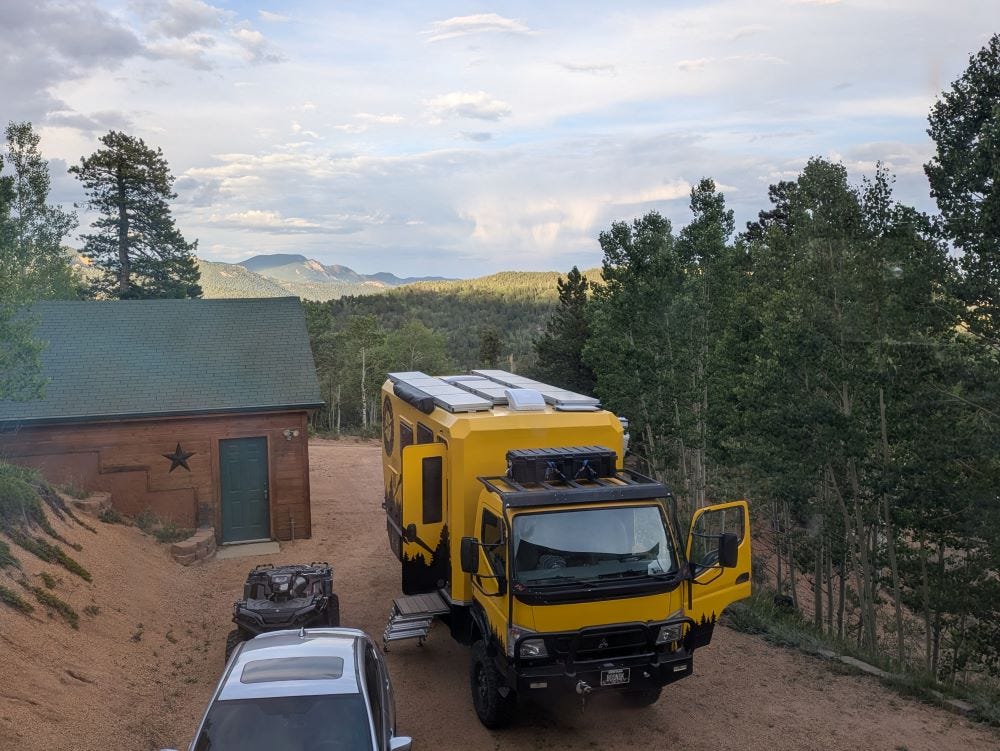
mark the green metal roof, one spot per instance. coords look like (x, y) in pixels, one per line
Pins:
(144, 358)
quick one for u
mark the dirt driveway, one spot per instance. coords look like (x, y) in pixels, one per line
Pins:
(744, 693)
(138, 676)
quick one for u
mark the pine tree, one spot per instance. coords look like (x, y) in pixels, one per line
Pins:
(560, 347)
(137, 246)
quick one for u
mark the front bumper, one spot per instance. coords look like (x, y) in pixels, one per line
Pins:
(645, 671)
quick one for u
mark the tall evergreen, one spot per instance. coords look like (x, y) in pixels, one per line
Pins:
(136, 245)
(560, 347)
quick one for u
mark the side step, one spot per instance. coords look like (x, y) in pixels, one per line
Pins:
(412, 617)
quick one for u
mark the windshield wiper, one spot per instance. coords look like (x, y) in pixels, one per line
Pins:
(554, 581)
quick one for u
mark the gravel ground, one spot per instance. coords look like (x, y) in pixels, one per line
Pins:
(137, 675)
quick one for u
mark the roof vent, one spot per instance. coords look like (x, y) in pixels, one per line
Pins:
(525, 400)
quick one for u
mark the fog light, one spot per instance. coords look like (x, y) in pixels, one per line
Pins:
(669, 634)
(534, 648)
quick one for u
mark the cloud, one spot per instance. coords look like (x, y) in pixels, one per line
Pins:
(667, 192)
(482, 23)
(476, 105)
(380, 119)
(272, 17)
(95, 122)
(256, 48)
(478, 136)
(180, 18)
(599, 69)
(267, 221)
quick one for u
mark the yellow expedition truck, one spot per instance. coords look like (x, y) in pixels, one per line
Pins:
(518, 526)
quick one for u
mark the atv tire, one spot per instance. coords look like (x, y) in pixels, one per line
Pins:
(233, 640)
(333, 612)
(643, 697)
(493, 700)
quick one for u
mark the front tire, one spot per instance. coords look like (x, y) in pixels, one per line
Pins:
(333, 612)
(643, 697)
(233, 640)
(493, 709)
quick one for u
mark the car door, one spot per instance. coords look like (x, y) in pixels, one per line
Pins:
(713, 588)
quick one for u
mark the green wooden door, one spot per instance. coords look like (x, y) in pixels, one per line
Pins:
(243, 469)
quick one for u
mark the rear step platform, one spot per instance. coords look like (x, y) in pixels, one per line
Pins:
(412, 617)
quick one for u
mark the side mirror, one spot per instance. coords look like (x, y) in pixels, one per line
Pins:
(470, 555)
(402, 743)
(729, 554)
(410, 533)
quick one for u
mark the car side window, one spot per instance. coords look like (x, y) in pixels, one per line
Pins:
(373, 682)
(491, 536)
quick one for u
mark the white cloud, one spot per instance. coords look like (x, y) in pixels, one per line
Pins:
(667, 192)
(476, 24)
(180, 18)
(476, 105)
(380, 119)
(606, 69)
(270, 17)
(268, 221)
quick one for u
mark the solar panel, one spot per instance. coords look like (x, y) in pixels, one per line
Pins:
(445, 395)
(559, 398)
(483, 387)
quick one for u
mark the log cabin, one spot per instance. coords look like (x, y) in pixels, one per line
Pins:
(192, 410)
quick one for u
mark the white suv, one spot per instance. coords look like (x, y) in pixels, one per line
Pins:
(321, 689)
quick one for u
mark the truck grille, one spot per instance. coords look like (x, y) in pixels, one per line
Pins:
(597, 645)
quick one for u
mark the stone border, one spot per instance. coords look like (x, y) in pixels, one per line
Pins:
(954, 705)
(197, 547)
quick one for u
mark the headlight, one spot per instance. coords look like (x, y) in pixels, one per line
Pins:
(516, 632)
(534, 648)
(669, 633)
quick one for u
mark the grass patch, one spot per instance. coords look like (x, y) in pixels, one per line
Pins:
(92, 610)
(7, 558)
(111, 516)
(74, 491)
(48, 580)
(51, 602)
(163, 531)
(48, 552)
(13, 599)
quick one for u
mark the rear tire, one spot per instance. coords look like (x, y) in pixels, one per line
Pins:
(643, 697)
(233, 640)
(493, 709)
(333, 612)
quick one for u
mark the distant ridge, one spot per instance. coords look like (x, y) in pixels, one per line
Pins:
(298, 269)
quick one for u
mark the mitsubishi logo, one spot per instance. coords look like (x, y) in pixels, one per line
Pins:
(602, 644)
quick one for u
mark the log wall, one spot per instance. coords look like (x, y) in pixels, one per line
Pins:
(126, 459)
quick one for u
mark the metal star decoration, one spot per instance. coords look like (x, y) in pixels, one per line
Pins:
(179, 458)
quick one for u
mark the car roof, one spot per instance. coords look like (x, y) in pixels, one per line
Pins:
(282, 651)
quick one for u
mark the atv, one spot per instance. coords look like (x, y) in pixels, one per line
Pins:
(279, 597)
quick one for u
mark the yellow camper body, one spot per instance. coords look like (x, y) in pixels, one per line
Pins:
(508, 504)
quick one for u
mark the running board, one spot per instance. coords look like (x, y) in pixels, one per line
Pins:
(412, 617)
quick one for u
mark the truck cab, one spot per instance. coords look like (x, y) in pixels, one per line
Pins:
(522, 530)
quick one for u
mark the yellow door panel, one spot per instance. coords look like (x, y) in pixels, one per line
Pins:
(714, 588)
(426, 560)
(489, 585)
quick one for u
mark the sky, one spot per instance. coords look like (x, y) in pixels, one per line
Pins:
(460, 139)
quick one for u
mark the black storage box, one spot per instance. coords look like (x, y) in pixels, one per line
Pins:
(560, 464)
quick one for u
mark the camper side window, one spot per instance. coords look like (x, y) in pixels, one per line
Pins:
(432, 490)
(491, 537)
(405, 435)
(424, 434)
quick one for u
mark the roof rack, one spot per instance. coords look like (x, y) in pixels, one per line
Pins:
(625, 485)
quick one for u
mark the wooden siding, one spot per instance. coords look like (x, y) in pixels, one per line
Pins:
(126, 459)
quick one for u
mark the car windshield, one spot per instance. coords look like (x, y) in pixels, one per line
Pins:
(591, 545)
(290, 723)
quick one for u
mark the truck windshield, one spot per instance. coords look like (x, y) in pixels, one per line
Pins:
(591, 545)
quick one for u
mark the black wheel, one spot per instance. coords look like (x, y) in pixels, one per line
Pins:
(643, 697)
(494, 709)
(233, 640)
(333, 612)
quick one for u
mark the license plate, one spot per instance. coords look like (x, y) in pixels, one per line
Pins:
(615, 677)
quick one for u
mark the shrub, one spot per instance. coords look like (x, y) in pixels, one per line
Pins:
(14, 600)
(170, 532)
(52, 602)
(7, 558)
(48, 552)
(111, 516)
(48, 580)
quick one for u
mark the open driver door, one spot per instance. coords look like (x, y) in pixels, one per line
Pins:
(426, 559)
(718, 552)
